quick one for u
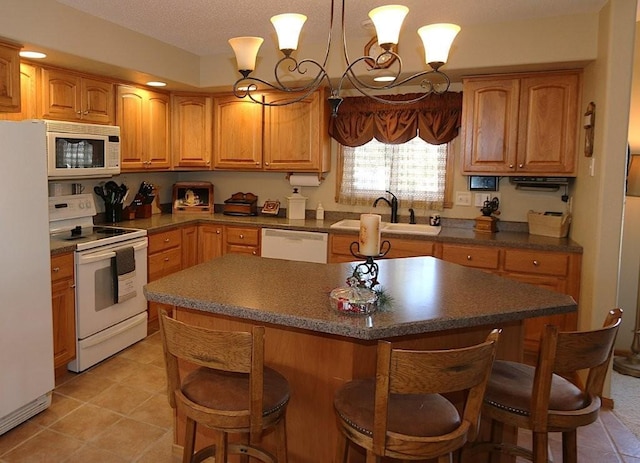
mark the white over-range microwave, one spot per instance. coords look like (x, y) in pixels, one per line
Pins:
(76, 150)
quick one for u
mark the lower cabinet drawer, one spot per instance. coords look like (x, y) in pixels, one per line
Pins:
(164, 240)
(472, 256)
(164, 263)
(242, 236)
(536, 262)
(62, 266)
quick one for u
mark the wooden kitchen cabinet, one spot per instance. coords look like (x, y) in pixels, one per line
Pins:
(557, 271)
(164, 258)
(521, 124)
(192, 131)
(237, 128)
(241, 240)
(340, 245)
(28, 102)
(75, 97)
(10, 88)
(210, 242)
(144, 120)
(292, 138)
(64, 311)
(189, 246)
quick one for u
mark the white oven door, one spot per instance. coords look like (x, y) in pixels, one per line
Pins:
(95, 306)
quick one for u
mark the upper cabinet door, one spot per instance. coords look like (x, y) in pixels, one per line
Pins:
(28, 104)
(191, 131)
(548, 129)
(9, 78)
(72, 97)
(296, 135)
(157, 123)
(237, 133)
(490, 125)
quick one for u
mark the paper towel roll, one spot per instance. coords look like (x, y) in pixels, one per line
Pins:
(304, 180)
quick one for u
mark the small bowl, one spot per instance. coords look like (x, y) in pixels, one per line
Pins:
(355, 301)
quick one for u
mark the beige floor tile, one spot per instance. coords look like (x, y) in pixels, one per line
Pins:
(149, 378)
(86, 422)
(84, 387)
(60, 406)
(624, 440)
(87, 453)
(18, 435)
(143, 352)
(161, 451)
(128, 438)
(156, 411)
(121, 398)
(115, 369)
(45, 447)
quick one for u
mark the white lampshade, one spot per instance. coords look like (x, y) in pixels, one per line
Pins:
(246, 50)
(437, 40)
(388, 21)
(288, 27)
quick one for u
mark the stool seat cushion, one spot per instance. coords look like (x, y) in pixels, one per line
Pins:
(421, 415)
(511, 384)
(222, 390)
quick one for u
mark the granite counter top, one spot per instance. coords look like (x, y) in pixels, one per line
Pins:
(427, 295)
(453, 231)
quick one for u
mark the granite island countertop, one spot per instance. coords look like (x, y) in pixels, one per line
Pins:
(427, 294)
(453, 231)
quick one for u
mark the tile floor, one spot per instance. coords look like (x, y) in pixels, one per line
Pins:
(117, 412)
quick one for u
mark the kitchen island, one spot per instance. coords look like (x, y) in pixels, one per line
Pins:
(434, 304)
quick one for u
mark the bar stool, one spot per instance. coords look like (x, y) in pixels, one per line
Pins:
(401, 414)
(550, 397)
(230, 391)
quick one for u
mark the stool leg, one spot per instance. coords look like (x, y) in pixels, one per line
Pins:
(281, 436)
(444, 458)
(221, 447)
(189, 440)
(497, 435)
(540, 447)
(342, 451)
(569, 447)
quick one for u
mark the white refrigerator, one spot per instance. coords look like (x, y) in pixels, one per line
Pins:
(26, 333)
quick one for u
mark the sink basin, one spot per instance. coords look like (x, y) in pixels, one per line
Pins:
(411, 229)
(400, 228)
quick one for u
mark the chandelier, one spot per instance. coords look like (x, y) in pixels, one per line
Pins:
(436, 38)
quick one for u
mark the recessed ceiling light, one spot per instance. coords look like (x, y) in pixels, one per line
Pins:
(32, 54)
(384, 78)
(156, 84)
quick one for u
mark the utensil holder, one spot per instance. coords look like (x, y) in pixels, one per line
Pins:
(113, 212)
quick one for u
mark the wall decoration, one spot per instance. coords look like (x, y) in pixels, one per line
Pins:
(589, 125)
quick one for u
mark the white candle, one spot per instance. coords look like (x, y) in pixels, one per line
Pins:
(369, 234)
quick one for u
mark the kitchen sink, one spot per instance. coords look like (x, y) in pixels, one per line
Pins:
(411, 229)
(400, 228)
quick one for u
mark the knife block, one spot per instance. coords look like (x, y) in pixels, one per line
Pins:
(144, 211)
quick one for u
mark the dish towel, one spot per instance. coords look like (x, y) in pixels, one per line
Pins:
(124, 274)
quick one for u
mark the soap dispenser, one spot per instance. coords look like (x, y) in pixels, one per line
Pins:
(320, 212)
(296, 205)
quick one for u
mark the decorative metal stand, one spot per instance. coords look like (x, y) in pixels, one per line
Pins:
(368, 269)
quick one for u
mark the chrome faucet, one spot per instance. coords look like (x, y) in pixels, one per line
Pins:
(393, 204)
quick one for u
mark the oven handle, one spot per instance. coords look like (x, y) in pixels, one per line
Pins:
(98, 256)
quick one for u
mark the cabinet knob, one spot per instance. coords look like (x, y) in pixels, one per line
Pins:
(510, 166)
(266, 163)
(166, 259)
(72, 285)
(79, 113)
(468, 257)
(520, 166)
(255, 253)
(217, 232)
(257, 163)
(56, 269)
(535, 263)
(241, 236)
(85, 112)
(166, 240)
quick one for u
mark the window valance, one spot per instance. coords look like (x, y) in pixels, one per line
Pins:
(436, 119)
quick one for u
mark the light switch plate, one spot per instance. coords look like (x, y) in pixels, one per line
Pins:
(463, 198)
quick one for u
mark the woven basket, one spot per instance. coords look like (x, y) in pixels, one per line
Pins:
(556, 226)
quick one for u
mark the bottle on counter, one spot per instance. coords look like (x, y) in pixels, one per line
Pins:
(320, 212)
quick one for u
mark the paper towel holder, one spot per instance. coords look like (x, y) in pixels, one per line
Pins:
(319, 175)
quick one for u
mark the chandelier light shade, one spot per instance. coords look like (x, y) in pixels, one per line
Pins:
(437, 40)
(388, 22)
(246, 51)
(288, 27)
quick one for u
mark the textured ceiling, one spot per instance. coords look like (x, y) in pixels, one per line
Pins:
(203, 27)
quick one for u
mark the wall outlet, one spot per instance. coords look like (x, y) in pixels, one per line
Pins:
(463, 198)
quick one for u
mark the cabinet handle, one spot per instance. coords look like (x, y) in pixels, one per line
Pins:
(56, 269)
(241, 236)
(536, 263)
(468, 257)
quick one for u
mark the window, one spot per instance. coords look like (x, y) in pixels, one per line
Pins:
(416, 172)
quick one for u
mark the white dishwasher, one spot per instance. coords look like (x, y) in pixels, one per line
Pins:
(294, 245)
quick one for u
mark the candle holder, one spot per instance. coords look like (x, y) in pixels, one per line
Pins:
(367, 271)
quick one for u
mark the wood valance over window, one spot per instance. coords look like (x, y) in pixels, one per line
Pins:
(436, 119)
